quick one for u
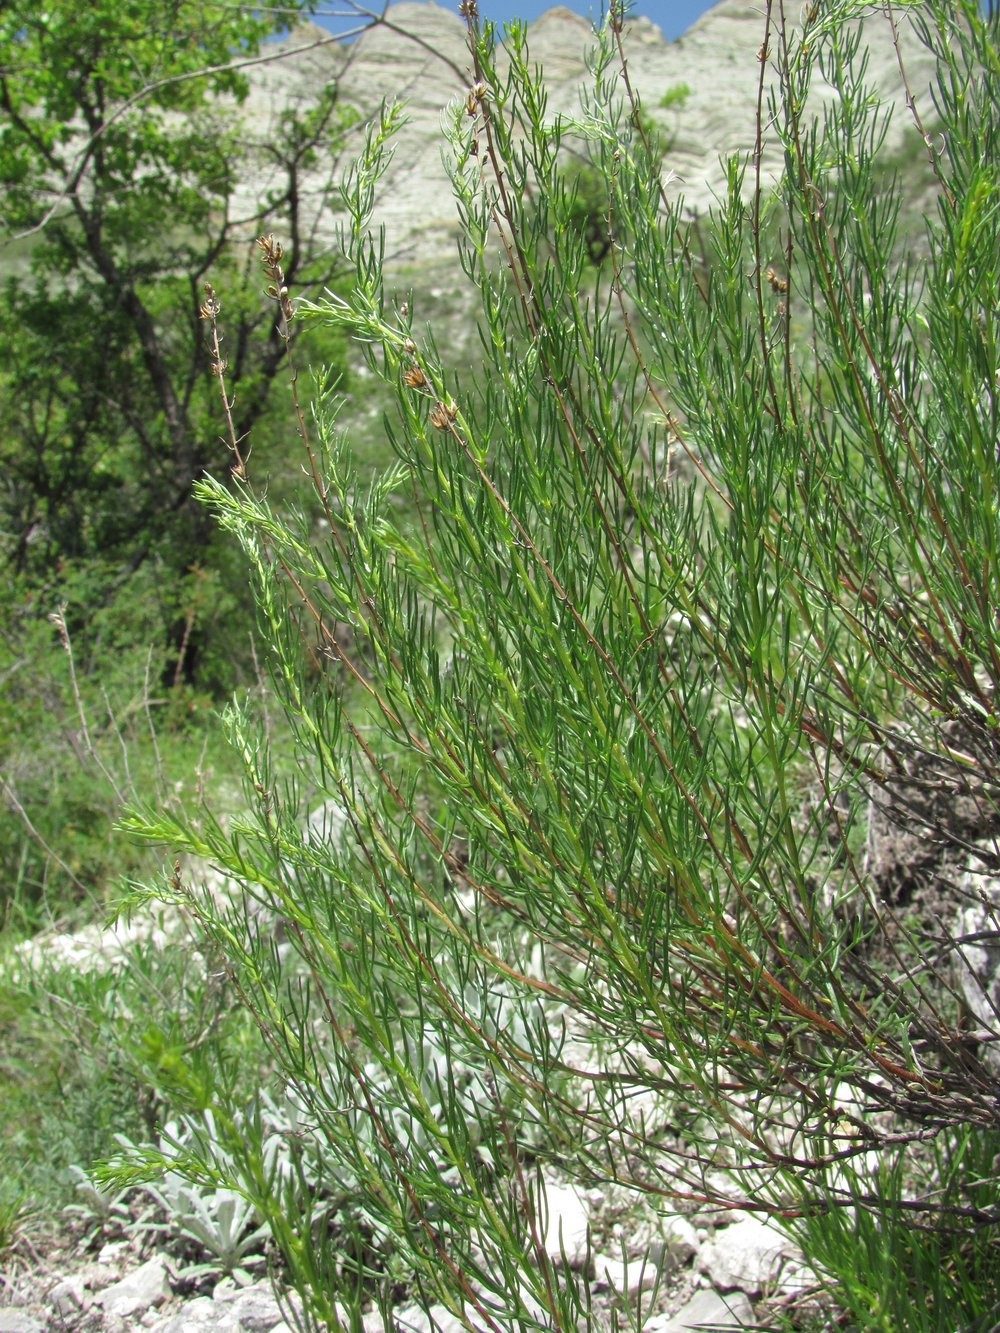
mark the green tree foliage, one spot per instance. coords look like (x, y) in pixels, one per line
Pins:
(121, 153)
(674, 97)
(124, 168)
(588, 185)
(701, 586)
(587, 190)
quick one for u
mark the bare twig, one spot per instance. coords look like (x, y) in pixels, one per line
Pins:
(53, 855)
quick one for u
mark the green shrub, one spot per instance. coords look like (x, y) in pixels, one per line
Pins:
(99, 1045)
(675, 96)
(91, 716)
(697, 587)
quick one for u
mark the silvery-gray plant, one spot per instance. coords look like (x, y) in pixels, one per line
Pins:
(101, 1211)
(659, 611)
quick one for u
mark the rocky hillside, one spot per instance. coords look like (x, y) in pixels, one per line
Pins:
(418, 56)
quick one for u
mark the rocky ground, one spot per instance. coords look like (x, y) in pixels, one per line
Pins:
(683, 1269)
(723, 1270)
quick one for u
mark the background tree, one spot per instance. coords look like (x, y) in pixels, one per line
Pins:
(128, 179)
(124, 164)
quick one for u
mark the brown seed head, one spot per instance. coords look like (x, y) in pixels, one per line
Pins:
(414, 377)
(210, 307)
(270, 249)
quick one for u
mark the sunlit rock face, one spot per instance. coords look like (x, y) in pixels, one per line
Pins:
(419, 58)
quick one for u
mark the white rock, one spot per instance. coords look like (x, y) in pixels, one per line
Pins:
(93, 948)
(628, 1279)
(15, 1320)
(609, 1274)
(750, 1255)
(193, 1317)
(705, 1310)
(680, 1242)
(438, 1319)
(566, 1224)
(69, 1297)
(112, 1253)
(184, 1322)
(256, 1310)
(716, 60)
(135, 1293)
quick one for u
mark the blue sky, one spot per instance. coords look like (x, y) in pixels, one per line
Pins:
(673, 17)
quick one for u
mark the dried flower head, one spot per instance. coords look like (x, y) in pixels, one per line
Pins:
(211, 306)
(443, 414)
(414, 377)
(475, 95)
(271, 253)
(270, 249)
(778, 283)
(469, 9)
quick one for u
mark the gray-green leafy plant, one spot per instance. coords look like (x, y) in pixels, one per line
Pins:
(208, 1213)
(102, 1210)
(659, 617)
(220, 1222)
(226, 1178)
